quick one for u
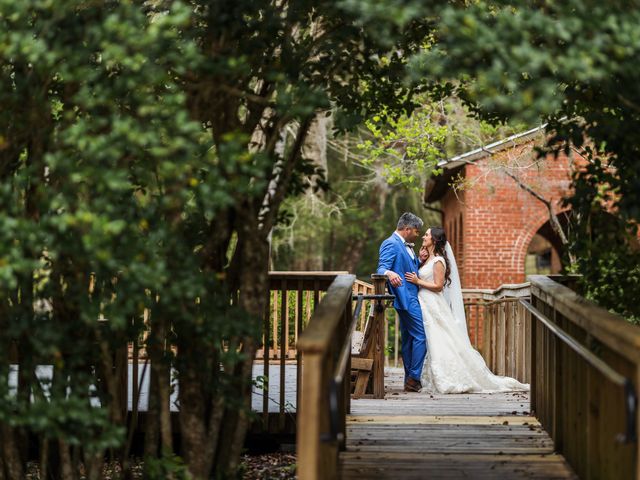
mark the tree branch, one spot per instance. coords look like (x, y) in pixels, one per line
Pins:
(283, 173)
(628, 103)
(528, 189)
(553, 218)
(252, 97)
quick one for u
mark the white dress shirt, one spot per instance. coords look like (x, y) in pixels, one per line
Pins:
(409, 249)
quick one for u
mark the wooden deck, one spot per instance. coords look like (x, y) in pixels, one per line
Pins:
(419, 436)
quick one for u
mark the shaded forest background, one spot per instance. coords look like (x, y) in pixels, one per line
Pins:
(339, 223)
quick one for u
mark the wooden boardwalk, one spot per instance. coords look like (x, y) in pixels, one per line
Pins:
(419, 436)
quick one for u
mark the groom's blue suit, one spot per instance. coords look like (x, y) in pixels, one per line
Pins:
(395, 257)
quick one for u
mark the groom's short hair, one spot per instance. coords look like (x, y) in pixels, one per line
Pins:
(408, 219)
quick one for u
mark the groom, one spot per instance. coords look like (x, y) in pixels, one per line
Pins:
(396, 258)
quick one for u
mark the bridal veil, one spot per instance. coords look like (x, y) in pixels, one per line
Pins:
(453, 292)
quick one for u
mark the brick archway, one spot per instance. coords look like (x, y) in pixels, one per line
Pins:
(528, 232)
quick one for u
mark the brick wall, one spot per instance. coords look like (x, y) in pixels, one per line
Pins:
(492, 223)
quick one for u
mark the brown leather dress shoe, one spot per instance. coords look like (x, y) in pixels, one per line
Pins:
(412, 385)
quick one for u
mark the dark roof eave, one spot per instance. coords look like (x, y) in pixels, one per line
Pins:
(436, 186)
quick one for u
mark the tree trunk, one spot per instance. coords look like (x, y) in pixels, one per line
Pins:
(11, 455)
(254, 282)
(192, 426)
(161, 378)
(93, 465)
(66, 464)
(162, 366)
(3, 476)
(315, 145)
(44, 457)
(152, 431)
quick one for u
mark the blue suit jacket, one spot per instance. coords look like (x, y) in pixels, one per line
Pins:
(394, 257)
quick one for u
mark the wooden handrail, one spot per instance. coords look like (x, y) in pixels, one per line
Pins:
(585, 372)
(305, 273)
(307, 280)
(506, 327)
(325, 346)
(504, 290)
(292, 298)
(320, 345)
(480, 311)
(631, 400)
(611, 329)
(344, 357)
(319, 333)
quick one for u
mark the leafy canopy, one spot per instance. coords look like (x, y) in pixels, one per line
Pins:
(142, 169)
(571, 63)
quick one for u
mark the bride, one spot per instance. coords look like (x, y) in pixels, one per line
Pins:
(452, 364)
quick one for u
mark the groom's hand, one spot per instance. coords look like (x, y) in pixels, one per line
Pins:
(394, 278)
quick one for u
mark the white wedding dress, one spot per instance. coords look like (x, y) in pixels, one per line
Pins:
(452, 364)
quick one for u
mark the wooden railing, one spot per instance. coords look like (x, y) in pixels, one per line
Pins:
(506, 346)
(499, 327)
(325, 346)
(321, 345)
(292, 300)
(585, 374)
(293, 297)
(365, 289)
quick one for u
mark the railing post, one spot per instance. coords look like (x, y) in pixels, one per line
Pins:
(379, 284)
(396, 343)
(312, 421)
(320, 426)
(345, 406)
(533, 354)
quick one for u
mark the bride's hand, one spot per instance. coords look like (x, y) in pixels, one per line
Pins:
(411, 277)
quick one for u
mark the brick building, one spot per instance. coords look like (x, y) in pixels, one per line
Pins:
(499, 232)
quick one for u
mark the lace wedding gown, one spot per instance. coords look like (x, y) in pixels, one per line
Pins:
(452, 364)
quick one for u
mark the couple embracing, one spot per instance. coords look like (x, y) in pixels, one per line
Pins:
(436, 351)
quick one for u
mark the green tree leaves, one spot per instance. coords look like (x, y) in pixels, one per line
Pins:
(568, 63)
(142, 168)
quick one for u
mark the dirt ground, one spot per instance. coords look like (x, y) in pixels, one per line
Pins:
(269, 466)
(265, 466)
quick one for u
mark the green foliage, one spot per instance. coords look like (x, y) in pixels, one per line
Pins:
(409, 147)
(341, 229)
(170, 466)
(609, 253)
(570, 64)
(141, 172)
(91, 125)
(412, 144)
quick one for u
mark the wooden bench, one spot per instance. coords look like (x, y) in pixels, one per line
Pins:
(362, 357)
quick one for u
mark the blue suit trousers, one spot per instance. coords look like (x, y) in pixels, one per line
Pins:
(414, 340)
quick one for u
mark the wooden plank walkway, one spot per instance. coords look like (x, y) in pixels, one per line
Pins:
(419, 436)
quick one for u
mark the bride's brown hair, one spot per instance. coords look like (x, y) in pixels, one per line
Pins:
(439, 248)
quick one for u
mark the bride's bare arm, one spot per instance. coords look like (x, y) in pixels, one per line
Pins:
(438, 278)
